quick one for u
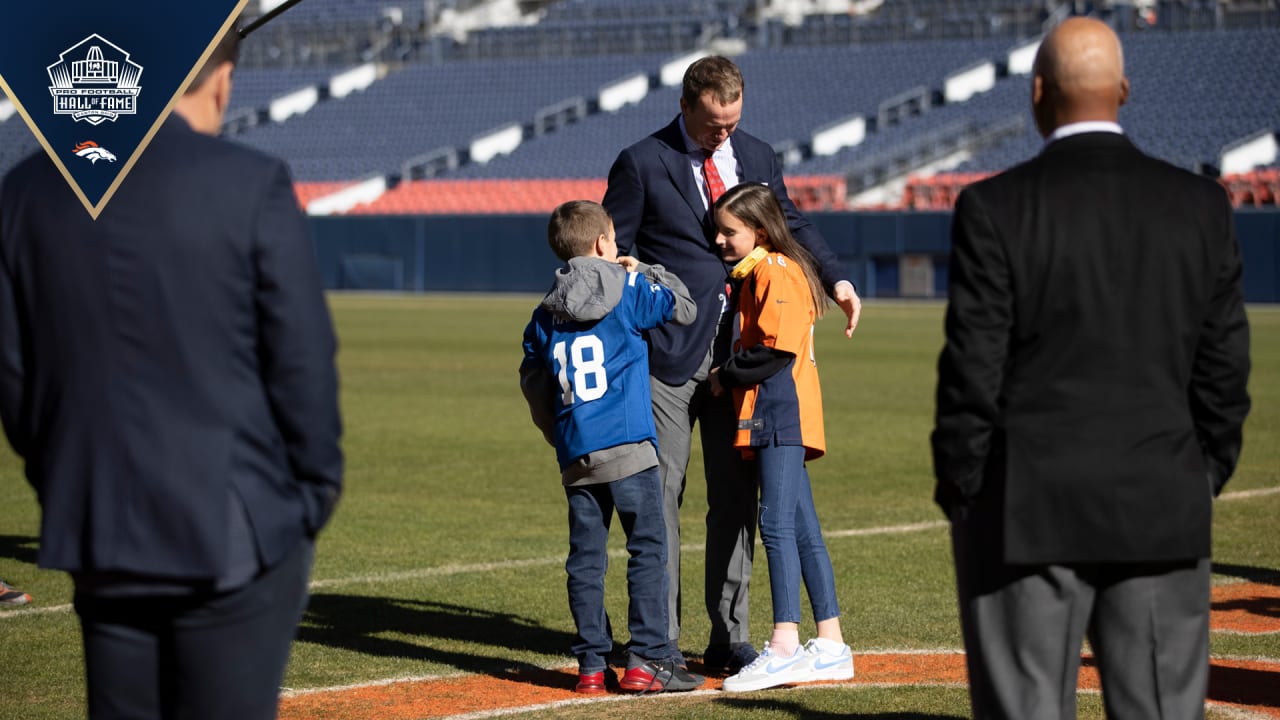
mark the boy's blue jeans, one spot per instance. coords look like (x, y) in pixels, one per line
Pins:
(792, 537)
(638, 501)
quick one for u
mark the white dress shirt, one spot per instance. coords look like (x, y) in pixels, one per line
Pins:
(725, 161)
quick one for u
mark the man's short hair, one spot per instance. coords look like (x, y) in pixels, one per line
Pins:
(715, 74)
(227, 50)
(575, 226)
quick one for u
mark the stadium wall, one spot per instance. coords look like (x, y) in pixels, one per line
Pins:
(888, 254)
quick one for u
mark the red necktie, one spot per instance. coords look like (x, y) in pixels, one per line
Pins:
(715, 186)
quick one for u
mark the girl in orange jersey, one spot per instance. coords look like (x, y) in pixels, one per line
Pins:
(774, 378)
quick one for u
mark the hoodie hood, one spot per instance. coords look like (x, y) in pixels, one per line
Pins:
(585, 290)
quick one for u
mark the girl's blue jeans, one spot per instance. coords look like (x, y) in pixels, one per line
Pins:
(792, 537)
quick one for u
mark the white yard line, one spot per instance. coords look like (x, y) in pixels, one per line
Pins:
(461, 569)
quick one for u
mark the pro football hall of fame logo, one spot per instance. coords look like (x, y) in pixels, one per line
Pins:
(94, 81)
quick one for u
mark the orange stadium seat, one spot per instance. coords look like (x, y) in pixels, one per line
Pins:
(534, 195)
(499, 196)
(308, 191)
(1270, 187)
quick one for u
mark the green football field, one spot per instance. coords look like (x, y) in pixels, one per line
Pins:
(445, 557)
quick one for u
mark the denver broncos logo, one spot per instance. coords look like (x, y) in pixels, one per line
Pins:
(94, 152)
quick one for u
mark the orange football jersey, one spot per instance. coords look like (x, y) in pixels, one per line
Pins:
(776, 310)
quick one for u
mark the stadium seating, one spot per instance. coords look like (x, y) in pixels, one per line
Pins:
(1259, 188)
(785, 101)
(423, 108)
(898, 20)
(16, 140)
(255, 88)
(1194, 92)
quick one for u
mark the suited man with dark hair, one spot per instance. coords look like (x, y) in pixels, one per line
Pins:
(167, 374)
(659, 193)
(1090, 403)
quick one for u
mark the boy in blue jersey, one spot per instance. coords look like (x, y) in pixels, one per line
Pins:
(585, 375)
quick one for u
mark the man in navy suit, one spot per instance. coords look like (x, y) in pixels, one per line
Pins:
(167, 374)
(659, 193)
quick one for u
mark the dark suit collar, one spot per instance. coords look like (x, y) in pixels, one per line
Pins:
(174, 121)
(671, 136)
(675, 159)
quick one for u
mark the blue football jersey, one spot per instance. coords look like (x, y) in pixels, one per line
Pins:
(602, 370)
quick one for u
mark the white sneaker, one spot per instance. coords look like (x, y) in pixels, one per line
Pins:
(828, 660)
(770, 669)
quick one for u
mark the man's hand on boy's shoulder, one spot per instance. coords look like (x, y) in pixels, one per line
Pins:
(628, 263)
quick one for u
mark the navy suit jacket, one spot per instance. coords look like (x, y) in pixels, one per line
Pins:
(174, 352)
(659, 217)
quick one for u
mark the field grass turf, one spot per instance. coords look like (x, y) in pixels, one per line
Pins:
(446, 553)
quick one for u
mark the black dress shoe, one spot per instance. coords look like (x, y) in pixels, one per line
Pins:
(728, 658)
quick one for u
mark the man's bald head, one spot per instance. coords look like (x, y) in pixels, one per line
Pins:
(1079, 75)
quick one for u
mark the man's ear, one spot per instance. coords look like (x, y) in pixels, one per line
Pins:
(1041, 113)
(1124, 90)
(222, 86)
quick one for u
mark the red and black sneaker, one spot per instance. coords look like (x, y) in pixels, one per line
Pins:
(660, 676)
(591, 683)
(10, 595)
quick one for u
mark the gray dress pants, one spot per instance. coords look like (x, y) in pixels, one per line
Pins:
(731, 501)
(1024, 625)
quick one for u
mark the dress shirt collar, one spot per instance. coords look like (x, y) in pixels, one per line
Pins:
(1087, 126)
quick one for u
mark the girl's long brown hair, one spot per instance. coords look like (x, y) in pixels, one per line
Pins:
(758, 208)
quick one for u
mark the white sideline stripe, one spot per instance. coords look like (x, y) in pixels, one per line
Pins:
(532, 562)
(35, 611)
(500, 712)
(889, 530)
(1245, 494)
(459, 569)
(1247, 658)
(858, 652)
(1236, 713)
(298, 692)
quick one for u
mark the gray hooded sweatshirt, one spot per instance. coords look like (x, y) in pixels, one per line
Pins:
(586, 290)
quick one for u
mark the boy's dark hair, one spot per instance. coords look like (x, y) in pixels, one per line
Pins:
(715, 74)
(227, 50)
(575, 226)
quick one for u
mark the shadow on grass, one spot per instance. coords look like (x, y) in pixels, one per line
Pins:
(1237, 685)
(1244, 686)
(369, 625)
(798, 710)
(1265, 607)
(19, 547)
(1264, 576)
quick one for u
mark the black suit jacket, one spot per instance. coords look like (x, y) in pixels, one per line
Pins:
(175, 351)
(659, 217)
(1096, 356)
